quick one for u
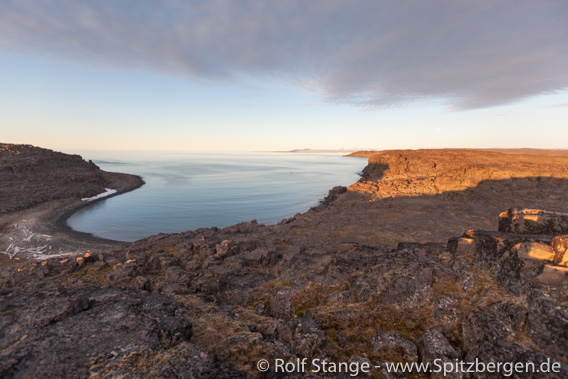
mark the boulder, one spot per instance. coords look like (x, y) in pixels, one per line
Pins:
(535, 250)
(514, 260)
(305, 337)
(409, 292)
(281, 303)
(560, 249)
(547, 324)
(226, 249)
(483, 327)
(514, 315)
(533, 221)
(462, 247)
(434, 346)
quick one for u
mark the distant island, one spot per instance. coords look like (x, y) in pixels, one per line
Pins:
(307, 150)
(314, 151)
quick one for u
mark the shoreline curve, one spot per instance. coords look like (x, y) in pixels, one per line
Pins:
(60, 223)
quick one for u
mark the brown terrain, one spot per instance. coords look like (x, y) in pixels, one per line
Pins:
(39, 189)
(433, 255)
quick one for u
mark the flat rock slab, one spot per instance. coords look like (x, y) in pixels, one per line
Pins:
(57, 334)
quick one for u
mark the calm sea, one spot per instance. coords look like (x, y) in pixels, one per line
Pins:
(186, 191)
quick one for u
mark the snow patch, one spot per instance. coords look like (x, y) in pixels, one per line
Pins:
(108, 191)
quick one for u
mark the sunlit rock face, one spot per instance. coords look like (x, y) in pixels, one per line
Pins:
(418, 172)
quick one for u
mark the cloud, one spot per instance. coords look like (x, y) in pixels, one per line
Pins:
(365, 53)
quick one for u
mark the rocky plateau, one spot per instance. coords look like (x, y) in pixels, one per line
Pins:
(448, 255)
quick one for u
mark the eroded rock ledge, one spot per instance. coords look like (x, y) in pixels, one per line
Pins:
(419, 172)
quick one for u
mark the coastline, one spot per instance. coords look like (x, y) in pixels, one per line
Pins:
(61, 216)
(33, 220)
(196, 190)
(392, 257)
(50, 220)
(52, 217)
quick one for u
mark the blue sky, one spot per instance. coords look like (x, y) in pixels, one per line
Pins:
(256, 75)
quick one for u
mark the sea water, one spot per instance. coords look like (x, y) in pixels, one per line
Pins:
(187, 191)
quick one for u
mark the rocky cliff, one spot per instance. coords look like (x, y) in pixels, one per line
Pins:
(388, 270)
(416, 172)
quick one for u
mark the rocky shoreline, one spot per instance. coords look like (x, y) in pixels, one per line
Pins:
(39, 190)
(433, 255)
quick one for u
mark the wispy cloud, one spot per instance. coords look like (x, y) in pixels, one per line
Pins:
(559, 105)
(369, 54)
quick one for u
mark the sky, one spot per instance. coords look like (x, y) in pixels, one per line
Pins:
(240, 75)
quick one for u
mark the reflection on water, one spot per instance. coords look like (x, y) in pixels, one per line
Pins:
(187, 191)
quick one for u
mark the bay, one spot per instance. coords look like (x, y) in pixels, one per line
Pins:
(187, 191)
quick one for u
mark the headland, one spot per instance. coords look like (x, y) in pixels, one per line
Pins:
(39, 190)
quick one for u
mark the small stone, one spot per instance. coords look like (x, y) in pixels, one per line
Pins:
(395, 343)
(445, 310)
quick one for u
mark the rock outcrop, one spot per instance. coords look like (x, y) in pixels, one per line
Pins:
(533, 221)
(419, 172)
(528, 266)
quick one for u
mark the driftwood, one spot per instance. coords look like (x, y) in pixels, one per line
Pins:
(26, 237)
(12, 250)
